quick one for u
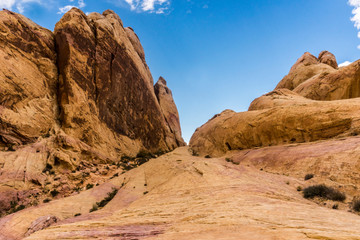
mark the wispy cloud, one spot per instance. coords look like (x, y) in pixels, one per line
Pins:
(344, 64)
(356, 15)
(18, 5)
(64, 9)
(152, 6)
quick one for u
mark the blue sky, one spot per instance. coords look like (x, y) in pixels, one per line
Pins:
(221, 54)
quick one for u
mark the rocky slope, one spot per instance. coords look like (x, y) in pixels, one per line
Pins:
(202, 198)
(76, 105)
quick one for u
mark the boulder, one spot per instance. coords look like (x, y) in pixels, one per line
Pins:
(280, 121)
(328, 58)
(306, 67)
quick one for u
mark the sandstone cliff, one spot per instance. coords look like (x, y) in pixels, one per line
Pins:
(291, 113)
(74, 100)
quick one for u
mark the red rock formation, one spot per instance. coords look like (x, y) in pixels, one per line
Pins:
(100, 70)
(169, 109)
(328, 58)
(72, 99)
(284, 116)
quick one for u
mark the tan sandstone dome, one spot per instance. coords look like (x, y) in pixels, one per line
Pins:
(292, 112)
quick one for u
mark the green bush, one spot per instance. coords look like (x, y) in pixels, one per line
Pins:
(308, 176)
(21, 207)
(94, 208)
(105, 201)
(356, 205)
(54, 193)
(323, 191)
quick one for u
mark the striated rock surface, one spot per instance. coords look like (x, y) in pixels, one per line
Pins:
(321, 79)
(291, 121)
(75, 106)
(342, 84)
(328, 58)
(100, 71)
(169, 109)
(201, 198)
(28, 79)
(284, 116)
(306, 67)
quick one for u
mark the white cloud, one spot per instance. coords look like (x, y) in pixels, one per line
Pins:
(344, 64)
(81, 3)
(19, 4)
(66, 8)
(356, 15)
(8, 4)
(153, 6)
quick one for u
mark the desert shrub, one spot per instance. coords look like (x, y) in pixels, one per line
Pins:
(46, 200)
(356, 205)
(94, 208)
(21, 207)
(308, 176)
(115, 175)
(107, 199)
(335, 206)
(77, 214)
(144, 154)
(299, 189)
(323, 191)
(89, 185)
(13, 204)
(141, 161)
(146, 192)
(228, 160)
(207, 156)
(54, 193)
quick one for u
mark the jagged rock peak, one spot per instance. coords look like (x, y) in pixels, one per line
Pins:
(328, 58)
(306, 59)
(306, 67)
(169, 109)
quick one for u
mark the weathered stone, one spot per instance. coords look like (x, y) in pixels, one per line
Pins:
(80, 96)
(328, 58)
(283, 120)
(41, 223)
(28, 79)
(306, 67)
(99, 73)
(169, 109)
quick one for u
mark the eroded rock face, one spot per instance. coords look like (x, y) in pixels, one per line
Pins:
(306, 67)
(284, 116)
(28, 78)
(321, 79)
(328, 58)
(341, 84)
(100, 70)
(169, 109)
(77, 99)
(41, 223)
(290, 122)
